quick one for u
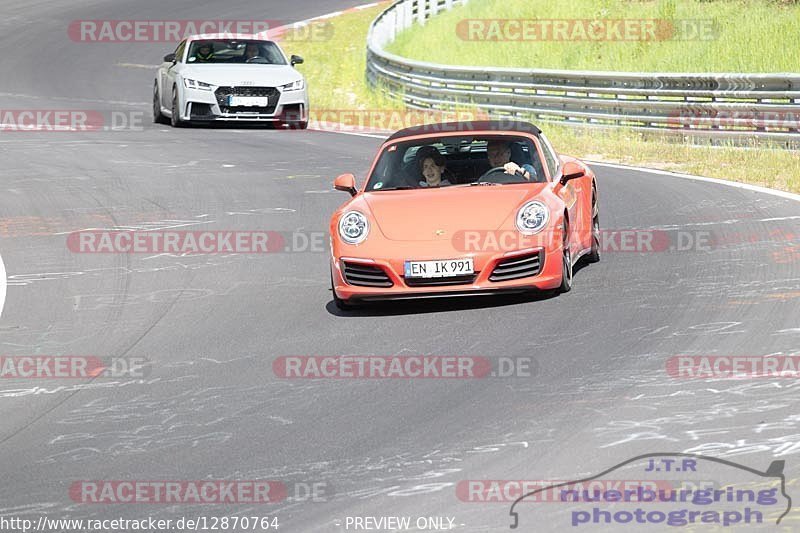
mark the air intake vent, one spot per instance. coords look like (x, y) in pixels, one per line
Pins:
(517, 267)
(365, 275)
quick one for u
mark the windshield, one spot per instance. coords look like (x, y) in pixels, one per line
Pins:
(235, 51)
(451, 161)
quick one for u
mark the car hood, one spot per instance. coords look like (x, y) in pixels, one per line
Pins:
(418, 215)
(235, 75)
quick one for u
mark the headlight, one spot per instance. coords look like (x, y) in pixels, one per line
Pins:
(294, 86)
(353, 227)
(194, 84)
(532, 217)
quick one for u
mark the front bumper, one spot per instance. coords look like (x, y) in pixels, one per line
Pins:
(484, 282)
(210, 106)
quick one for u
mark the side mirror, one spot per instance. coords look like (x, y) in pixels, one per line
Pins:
(170, 58)
(346, 183)
(297, 60)
(571, 171)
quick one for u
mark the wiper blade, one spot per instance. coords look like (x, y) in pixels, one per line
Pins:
(400, 188)
(477, 183)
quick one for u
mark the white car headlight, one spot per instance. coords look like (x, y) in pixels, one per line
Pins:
(353, 227)
(194, 84)
(294, 86)
(532, 217)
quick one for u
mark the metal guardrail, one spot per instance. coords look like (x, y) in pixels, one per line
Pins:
(732, 107)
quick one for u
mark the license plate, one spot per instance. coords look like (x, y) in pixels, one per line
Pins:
(439, 269)
(248, 101)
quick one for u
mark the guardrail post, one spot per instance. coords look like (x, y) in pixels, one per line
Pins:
(392, 26)
(422, 10)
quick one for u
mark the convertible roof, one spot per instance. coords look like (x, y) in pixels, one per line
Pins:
(517, 126)
(229, 37)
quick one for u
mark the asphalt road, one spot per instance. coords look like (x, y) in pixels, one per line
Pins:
(211, 326)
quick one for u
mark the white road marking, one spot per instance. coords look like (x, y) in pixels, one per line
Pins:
(75, 99)
(723, 222)
(3, 284)
(137, 65)
(357, 134)
(160, 225)
(329, 15)
(262, 211)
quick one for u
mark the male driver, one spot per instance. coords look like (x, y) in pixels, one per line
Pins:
(252, 51)
(499, 155)
(205, 53)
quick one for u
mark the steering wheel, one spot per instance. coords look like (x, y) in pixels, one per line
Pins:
(492, 171)
(257, 59)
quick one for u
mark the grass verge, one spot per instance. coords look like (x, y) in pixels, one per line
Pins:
(335, 65)
(687, 36)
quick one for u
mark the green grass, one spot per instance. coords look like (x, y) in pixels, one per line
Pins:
(749, 36)
(335, 68)
(335, 72)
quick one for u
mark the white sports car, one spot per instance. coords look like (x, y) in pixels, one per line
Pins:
(219, 78)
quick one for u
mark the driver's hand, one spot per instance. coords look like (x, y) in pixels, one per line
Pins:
(513, 168)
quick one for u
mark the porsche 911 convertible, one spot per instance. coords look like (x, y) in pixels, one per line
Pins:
(463, 209)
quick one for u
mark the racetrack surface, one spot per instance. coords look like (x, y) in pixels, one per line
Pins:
(212, 408)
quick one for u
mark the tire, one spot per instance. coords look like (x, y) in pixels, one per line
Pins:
(293, 121)
(594, 254)
(342, 305)
(158, 116)
(175, 120)
(291, 125)
(566, 263)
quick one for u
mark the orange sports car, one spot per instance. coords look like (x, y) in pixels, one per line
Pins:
(462, 209)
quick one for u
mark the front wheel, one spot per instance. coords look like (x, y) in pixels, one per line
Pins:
(175, 119)
(294, 125)
(293, 120)
(158, 116)
(566, 263)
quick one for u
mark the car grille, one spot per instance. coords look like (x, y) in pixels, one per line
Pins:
(200, 111)
(365, 275)
(517, 267)
(222, 94)
(434, 282)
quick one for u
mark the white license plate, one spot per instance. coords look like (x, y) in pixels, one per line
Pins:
(439, 269)
(248, 101)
